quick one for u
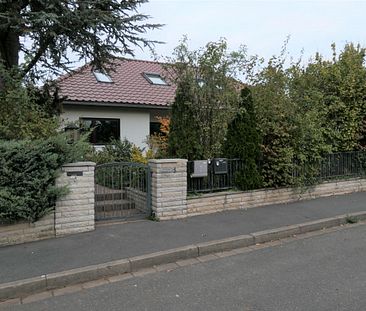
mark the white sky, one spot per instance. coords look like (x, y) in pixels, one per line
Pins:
(260, 25)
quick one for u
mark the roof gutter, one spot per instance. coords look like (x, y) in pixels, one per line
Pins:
(116, 105)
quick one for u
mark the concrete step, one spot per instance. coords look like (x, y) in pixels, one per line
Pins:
(119, 214)
(113, 205)
(121, 195)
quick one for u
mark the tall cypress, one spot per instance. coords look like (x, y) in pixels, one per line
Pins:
(243, 142)
(184, 141)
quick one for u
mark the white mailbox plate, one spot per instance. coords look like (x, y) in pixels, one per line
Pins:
(199, 168)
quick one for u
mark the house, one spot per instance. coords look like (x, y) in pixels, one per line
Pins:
(123, 103)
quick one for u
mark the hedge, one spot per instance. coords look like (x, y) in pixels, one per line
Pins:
(28, 170)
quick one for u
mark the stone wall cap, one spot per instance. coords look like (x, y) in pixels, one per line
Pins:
(78, 164)
(167, 160)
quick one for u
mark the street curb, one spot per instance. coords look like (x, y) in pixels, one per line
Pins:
(26, 287)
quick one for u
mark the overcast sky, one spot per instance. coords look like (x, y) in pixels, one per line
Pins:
(260, 25)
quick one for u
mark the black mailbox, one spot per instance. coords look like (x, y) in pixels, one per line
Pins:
(219, 166)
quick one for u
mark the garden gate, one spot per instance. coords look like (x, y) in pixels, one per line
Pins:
(122, 191)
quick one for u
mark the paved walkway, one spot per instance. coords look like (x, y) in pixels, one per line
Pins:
(111, 242)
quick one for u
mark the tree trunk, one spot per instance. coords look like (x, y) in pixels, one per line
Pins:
(9, 52)
(9, 49)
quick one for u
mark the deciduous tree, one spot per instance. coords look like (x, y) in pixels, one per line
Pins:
(206, 99)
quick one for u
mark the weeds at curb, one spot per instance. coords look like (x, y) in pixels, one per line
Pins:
(153, 217)
(351, 219)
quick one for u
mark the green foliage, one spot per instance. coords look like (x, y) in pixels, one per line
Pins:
(338, 89)
(45, 31)
(28, 170)
(138, 155)
(302, 112)
(26, 112)
(119, 151)
(116, 151)
(184, 137)
(158, 142)
(243, 142)
(275, 114)
(352, 219)
(206, 99)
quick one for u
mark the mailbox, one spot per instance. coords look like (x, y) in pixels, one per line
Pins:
(219, 166)
(199, 168)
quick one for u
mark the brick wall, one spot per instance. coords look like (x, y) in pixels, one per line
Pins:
(222, 201)
(27, 232)
(138, 198)
(73, 213)
(169, 188)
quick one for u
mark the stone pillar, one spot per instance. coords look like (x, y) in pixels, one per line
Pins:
(169, 188)
(75, 212)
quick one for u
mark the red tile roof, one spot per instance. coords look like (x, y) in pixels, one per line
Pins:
(129, 85)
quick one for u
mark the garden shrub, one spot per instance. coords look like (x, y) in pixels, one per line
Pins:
(120, 151)
(116, 151)
(243, 142)
(116, 176)
(28, 170)
(26, 111)
(158, 142)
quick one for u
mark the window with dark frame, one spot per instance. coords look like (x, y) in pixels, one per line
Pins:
(104, 130)
(155, 128)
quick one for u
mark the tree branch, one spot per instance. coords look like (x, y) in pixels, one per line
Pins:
(42, 49)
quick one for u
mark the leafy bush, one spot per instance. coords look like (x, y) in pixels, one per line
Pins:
(139, 157)
(28, 170)
(206, 99)
(120, 151)
(116, 151)
(158, 142)
(27, 112)
(112, 175)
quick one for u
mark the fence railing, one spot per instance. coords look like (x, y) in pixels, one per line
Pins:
(213, 181)
(122, 190)
(333, 166)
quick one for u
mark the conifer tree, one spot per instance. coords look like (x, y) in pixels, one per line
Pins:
(243, 142)
(184, 131)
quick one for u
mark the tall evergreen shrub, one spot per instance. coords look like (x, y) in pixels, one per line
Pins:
(28, 170)
(184, 137)
(243, 142)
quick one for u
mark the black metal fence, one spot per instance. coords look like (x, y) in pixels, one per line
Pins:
(213, 181)
(334, 166)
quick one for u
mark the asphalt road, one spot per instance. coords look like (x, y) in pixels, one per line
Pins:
(326, 272)
(114, 242)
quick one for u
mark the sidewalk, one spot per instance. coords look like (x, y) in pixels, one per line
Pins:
(112, 242)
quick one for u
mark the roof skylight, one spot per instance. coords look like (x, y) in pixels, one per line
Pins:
(155, 78)
(102, 77)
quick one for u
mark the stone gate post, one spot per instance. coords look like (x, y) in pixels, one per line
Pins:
(169, 188)
(75, 212)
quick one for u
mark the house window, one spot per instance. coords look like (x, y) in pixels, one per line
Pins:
(155, 128)
(155, 78)
(103, 130)
(102, 77)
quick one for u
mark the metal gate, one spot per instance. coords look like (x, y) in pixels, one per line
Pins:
(122, 191)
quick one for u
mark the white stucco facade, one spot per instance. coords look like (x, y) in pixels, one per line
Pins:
(134, 122)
